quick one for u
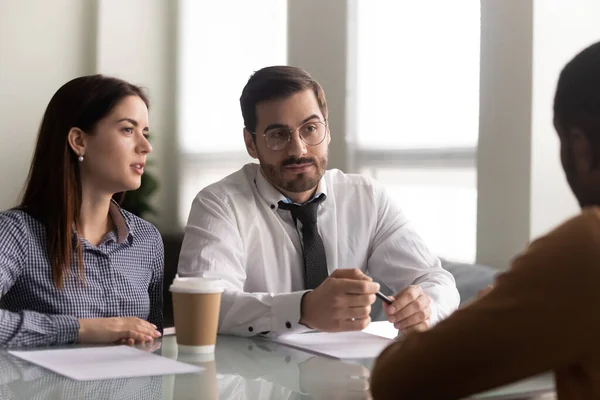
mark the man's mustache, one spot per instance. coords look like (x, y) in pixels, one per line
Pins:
(292, 161)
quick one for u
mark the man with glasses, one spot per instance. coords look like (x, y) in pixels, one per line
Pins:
(296, 244)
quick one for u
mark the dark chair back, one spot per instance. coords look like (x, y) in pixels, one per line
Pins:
(172, 244)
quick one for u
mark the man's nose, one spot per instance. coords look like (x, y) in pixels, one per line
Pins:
(297, 146)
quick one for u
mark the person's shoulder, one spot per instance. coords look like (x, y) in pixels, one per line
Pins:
(340, 179)
(582, 229)
(575, 243)
(18, 228)
(18, 220)
(359, 190)
(13, 216)
(233, 185)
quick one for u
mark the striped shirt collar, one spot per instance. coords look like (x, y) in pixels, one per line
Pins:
(124, 231)
(121, 222)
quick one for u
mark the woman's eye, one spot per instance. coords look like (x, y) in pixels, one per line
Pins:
(128, 130)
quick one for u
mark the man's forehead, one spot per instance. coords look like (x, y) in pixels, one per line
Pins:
(290, 110)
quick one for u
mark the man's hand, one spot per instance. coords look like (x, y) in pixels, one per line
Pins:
(410, 310)
(110, 330)
(341, 303)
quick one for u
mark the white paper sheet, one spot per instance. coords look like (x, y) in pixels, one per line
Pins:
(94, 363)
(382, 328)
(342, 345)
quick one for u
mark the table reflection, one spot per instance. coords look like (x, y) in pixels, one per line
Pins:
(253, 368)
(240, 368)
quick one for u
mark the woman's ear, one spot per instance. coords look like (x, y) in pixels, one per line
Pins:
(76, 139)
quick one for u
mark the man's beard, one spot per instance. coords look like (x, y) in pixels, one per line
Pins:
(301, 182)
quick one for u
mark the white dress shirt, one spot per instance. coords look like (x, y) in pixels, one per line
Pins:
(236, 232)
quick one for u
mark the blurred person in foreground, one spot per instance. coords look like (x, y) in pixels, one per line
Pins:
(542, 314)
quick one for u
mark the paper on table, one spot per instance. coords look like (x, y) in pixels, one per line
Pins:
(342, 345)
(382, 328)
(94, 363)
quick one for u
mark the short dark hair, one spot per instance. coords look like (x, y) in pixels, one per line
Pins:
(278, 82)
(577, 98)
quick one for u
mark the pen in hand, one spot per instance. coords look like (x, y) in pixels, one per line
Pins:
(384, 298)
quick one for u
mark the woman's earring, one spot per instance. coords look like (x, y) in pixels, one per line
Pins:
(80, 158)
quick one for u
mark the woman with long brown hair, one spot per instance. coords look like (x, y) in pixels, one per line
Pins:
(74, 266)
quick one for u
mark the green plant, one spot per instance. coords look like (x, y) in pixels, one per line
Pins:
(138, 201)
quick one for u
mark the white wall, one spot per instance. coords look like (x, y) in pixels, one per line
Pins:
(136, 42)
(44, 44)
(41, 48)
(320, 48)
(503, 159)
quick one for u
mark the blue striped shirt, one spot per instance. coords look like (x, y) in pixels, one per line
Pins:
(123, 278)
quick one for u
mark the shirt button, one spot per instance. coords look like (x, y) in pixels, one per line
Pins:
(288, 325)
(272, 206)
(250, 329)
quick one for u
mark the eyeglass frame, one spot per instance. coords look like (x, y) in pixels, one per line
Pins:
(291, 131)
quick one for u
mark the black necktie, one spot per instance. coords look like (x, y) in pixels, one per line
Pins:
(315, 260)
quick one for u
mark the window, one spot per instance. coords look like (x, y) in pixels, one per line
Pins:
(219, 50)
(417, 113)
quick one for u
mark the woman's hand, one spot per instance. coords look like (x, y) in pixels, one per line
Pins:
(111, 330)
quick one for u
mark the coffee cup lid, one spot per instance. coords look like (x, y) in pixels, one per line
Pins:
(196, 285)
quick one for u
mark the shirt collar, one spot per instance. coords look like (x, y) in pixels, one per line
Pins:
(273, 196)
(121, 222)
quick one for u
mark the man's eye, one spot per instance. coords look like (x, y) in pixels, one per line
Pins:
(309, 130)
(277, 134)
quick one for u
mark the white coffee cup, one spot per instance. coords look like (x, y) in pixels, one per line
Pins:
(196, 306)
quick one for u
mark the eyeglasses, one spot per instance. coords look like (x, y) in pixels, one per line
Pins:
(311, 133)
